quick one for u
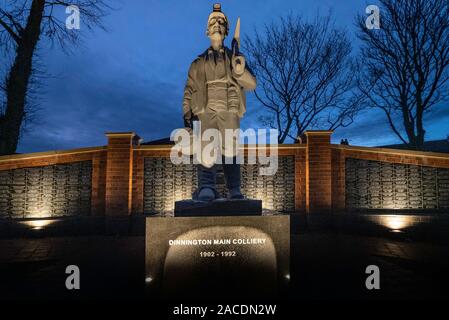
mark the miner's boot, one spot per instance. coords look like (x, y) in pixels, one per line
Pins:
(206, 184)
(232, 177)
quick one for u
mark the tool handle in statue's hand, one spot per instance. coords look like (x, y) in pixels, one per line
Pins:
(235, 47)
(188, 122)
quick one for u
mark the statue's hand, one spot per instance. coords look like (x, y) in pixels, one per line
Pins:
(188, 120)
(238, 64)
(188, 123)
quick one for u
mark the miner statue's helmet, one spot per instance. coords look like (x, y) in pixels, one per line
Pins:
(217, 14)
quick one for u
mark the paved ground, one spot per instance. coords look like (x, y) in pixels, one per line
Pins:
(325, 265)
(333, 266)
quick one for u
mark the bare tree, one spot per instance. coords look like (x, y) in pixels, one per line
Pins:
(23, 23)
(406, 63)
(305, 75)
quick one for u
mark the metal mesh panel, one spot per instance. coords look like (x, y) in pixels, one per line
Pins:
(56, 190)
(165, 183)
(383, 185)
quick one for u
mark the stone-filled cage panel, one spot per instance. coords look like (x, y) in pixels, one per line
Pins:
(46, 191)
(165, 183)
(382, 185)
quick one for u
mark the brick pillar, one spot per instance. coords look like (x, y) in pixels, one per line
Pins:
(338, 180)
(318, 172)
(98, 182)
(119, 173)
(300, 180)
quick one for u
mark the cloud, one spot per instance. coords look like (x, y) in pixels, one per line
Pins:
(81, 107)
(370, 128)
(131, 78)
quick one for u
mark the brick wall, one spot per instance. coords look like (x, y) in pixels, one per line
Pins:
(383, 185)
(340, 153)
(117, 181)
(53, 190)
(165, 183)
(58, 183)
(160, 154)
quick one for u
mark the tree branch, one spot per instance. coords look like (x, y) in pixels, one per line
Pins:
(10, 31)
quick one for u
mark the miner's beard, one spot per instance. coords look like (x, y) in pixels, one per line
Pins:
(216, 40)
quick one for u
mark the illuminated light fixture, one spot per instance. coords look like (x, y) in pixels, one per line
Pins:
(38, 224)
(148, 279)
(396, 223)
(287, 276)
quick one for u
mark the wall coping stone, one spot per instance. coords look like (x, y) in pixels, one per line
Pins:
(401, 152)
(165, 147)
(50, 153)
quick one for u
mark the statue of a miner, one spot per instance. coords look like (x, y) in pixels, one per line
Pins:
(214, 95)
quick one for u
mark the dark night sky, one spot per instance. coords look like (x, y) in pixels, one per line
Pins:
(131, 78)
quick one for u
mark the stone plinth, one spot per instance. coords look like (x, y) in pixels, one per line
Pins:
(220, 207)
(212, 257)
